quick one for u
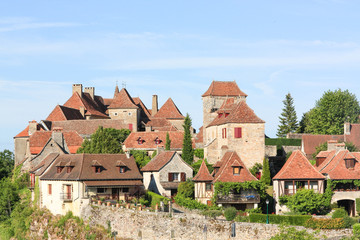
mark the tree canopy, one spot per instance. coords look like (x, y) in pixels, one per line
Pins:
(141, 157)
(6, 163)
(331, 111)
(288, 120)
(187, 150)
(168, 142)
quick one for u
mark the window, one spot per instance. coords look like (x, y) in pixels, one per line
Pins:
(101, 190)
(236, 170)
(97, 169)
(350, 163)
(122, 169)
(174, 177)
(69, 169)
(220, 115)
(208, 186)
(157, 141)
(49, 189)
(129, 113)
(125, 190)
(115, 113)
(226, 114)
(59, 169)
(224, 133)
(238, 133)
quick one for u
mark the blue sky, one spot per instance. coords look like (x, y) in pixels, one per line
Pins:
(174, 49)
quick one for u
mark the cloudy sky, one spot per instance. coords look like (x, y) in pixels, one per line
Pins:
(174, 49)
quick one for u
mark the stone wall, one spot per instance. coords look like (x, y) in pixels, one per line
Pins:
(135, 224)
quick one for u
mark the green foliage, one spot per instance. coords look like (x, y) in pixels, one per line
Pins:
(141, 157)
(6, 163)
(325, 223)
(154, 198)
(64, 219)
(186, 189)
(303, 123)
(196, 166)
(212, 213)
(265, 177)
(339, 213)
(168, 142)
(291, 233)
(356, 230)
(230, 213)
(348, 221)
(306, 201)
(288, 154)
(295, 220)
(199, 153)
(288, 120)
(240, 218)
(324, 146)
(331, 111)
(105, 140)
(154, 154)
(282, 142)
(357, 204)
(189, 203)
(255, 169)
(8, 198)
(187, 150)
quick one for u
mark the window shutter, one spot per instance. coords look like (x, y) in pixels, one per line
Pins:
(170, 177)
(183, 177)
(49, 189)
(237, 132)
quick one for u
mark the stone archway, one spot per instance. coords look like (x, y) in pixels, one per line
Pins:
(349, 206)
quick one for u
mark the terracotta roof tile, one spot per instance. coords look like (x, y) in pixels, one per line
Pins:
(225, 173)
(157, 123)
(200, 136)
(203, 175)
(123, 100)
(354, 136)
(25, 132)
(158, 161)
(92, 107)
(310, 142)
(62, 113)
(298, 167)
(169, 111)
(142, 106)
(219, 88)
(44, 164)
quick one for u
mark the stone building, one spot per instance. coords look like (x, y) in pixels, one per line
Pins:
(230, 124)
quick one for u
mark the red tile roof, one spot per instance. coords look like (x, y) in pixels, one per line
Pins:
(62, 113)
(92, 107)
(132, 141)
(354, 136)
(219, 88)
(334, 166)
(44, 164)
(25, 132)
(225, 173)
(310, 142)
(169, 111)
(142, 106)
(123, 100)
(298, 167)
(159, 161)
(203, 175)
(157, 123)
(235, 113)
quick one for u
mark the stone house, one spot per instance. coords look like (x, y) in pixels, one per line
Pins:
(68, 181)
(165, 172)
(229, 169)
(297, 173)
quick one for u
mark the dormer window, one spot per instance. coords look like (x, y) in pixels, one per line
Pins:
(140, 141)
(59, 169)
(236, 171)
(69, 169)
(122, 169)
(97, 167)
(220, 115)
(350, 163)
(157, 141)
(226, 114)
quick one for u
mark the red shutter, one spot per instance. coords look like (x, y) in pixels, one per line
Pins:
(224, 133)
(170, 177)
(49, 189)
(130, 126)
(183, 177)
(238, 133)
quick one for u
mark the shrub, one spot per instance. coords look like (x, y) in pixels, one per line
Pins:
(356, 230)
(292, 233)
(296, 220)
(212, 213)
(230, 213)
(282, 141)
(340, 213)
(240, 218)
(189, 203)
(154, 198)
(357, 203)
(186, 189)
(335, 223)
(348, 221)
(199, 152)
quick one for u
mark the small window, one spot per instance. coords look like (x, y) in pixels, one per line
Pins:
(220, 115)
(101, 190)
(350, 163)
(224, 133)
(122, 169)
(236, 170)
(238, 132)
(49, 189)
(129, 113)
(69, 169)
(115, 113)
(176, 177)
(97, 169)
(59, 169)
(208, 186)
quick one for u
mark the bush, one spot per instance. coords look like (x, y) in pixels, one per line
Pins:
(199, 153)
(335, 223)
(186, 189)
(296, 220)
(357, 203)
(340, 213)
(212, 213)
(230, 213)
(189, 203)
(356, 230)
(292, 233)
(154, 198)
(282, 142)
(348, 221)
(240, 218)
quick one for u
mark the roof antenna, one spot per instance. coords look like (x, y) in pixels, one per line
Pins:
(123, 84)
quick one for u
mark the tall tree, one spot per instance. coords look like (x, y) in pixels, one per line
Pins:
(6, 163)
(266, 177)
(331, 111)
(288, 119)
(105, 140)
(187, 150)
(168, 142)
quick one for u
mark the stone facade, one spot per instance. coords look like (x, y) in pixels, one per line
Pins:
(131, 117)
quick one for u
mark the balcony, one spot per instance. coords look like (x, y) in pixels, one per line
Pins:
(66, 197)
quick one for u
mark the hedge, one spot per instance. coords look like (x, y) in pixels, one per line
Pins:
(189, 203)
(283, 141)
(333, 223)
(154, 198)
(356, 229)
(357, 203)
(295, 220)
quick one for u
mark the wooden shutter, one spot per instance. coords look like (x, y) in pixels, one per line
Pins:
(238, 133)
(49, 189)
(170, 177)
(183, 177)
(130, 126)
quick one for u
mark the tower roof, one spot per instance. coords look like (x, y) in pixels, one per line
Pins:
(203, 175)
(123, 100)
(169, 111)
(220, 88)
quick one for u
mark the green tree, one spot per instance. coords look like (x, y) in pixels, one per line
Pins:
(186, 189)
(6, 163)
(187, 150)
(324, 146)
(265, 177)
(331, 111)
(303, 123)
(141, 157)
(288, 119)
(105, 140)
(8, 198)
(168, 142)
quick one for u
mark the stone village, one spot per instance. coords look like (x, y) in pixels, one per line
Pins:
(232, 138)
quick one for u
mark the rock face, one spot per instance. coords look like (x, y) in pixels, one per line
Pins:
(150, 225)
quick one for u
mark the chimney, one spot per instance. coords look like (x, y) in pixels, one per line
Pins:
(91, 91)
(82, 111)
(159, 150)
(334, 145)
(127, 154)
(154, 108)
(32, 127)
(77, 88)
(58, 136)
(347, 128)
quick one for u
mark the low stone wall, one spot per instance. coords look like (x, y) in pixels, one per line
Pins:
(133, 224)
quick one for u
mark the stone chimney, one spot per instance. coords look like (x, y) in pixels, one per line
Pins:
(334, 145)
(82, 110)
(159, 150)
(58, 136)
(77, 88)
(91, 91)
(154, 108)
(32, 127)
(347, 128)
